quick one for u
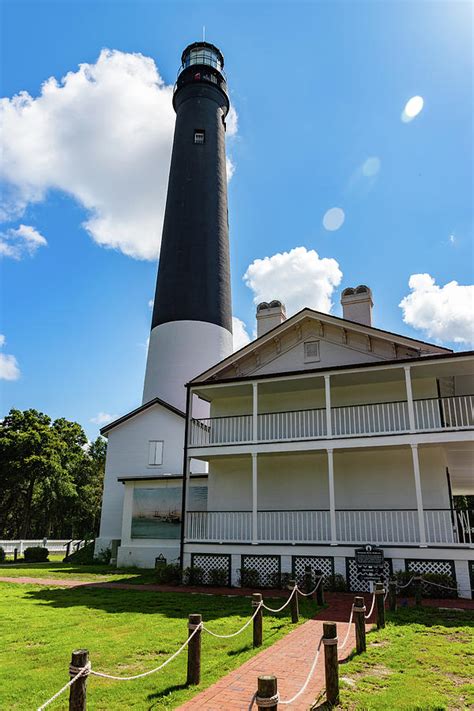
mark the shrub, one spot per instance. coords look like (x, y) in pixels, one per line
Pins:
(278, 580)
(2, 555)
(35, 554)
(427, 590)
(335, 583)
(219, 577)
(102, 557)
(193, 576)
(168, 574)
(249, 578)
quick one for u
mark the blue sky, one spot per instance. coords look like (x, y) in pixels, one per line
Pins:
(319, 89)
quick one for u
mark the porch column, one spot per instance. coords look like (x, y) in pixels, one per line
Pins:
(255, 412)
(419, 498)
(332, 500)
(254, 500)
(185, 522)
(327, 392)
(411, 409)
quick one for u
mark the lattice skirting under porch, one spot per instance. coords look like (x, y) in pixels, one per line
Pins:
(209, 562)
(356, 583)
(440, 567)
(299, 563)
(260, 570)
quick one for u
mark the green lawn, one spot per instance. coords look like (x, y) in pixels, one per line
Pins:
(423, 660)
(126, 632)
(58, 570)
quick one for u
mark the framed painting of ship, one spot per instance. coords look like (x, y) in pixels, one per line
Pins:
(156, 512)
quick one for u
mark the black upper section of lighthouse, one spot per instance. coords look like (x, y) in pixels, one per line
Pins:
(194, 272)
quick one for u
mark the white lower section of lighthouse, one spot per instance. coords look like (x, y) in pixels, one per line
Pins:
(179, 351)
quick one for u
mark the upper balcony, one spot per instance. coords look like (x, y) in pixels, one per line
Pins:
(431, 415)
(388, 400)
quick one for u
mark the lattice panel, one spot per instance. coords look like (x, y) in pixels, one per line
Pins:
(440, 567)
(267, 567)
(325, 565)
(357, 583)
(208, 562)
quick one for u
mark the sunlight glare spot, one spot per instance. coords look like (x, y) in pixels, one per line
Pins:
(412, 108)
(333, 219)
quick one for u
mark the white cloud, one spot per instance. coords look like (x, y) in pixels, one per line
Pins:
(103, 135)
(333, 219)
(240, 335)
(412, 108)
(21, 241)
(298, 278)
(445, 313)
(9, 369)
(102, 418)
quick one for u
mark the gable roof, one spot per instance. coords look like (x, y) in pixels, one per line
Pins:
(138, 410)
(407, 341)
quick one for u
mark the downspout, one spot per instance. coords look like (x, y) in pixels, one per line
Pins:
(185, 479)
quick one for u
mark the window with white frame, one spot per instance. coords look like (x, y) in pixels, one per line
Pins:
(155, 453)
(199, 136)
(311, 351)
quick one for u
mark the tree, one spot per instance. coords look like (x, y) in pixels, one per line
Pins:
(50, 477)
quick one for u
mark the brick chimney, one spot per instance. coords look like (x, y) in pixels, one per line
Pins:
(269, 316)
(357, 304)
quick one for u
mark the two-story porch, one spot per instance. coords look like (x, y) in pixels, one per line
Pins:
(317, 463)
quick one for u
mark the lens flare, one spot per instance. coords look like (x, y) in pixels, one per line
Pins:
(412, 108)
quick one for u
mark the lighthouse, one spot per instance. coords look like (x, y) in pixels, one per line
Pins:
(191, 326)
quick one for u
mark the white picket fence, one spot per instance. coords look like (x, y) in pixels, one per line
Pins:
(54, 546)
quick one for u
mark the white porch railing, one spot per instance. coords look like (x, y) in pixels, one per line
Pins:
(377, 418)
(432, 414)
(219, 526)
(444, 413)
(54, 546)
(294, 526)
(353, 527)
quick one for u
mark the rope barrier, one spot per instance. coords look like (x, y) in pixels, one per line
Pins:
(310, 674)
(312, 591)
(279, 609)
(82, 671)
(234, 634)
(372, 608)
(266, 703)
(349, 629)
(401, 587)
(88, 670)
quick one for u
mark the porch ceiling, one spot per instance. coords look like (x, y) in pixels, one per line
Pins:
(460, 459)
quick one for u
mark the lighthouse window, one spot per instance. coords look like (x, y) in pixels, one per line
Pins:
(199, 136)
(155, 453)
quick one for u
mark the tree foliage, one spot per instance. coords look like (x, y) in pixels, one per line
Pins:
(50, 477)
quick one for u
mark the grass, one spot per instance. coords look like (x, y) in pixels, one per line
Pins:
(126, 632)
(57, 570)
(423, 660)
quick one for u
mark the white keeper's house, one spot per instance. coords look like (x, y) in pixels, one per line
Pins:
(322, 435)
(325, 434)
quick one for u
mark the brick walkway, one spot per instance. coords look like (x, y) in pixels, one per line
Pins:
(289, 660)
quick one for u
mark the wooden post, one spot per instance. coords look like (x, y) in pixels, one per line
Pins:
(267, 689)
(380, 605)
(392, 595)
(15, 554)
(320, 588)
(78, 690)
(359, 621)
(194, 651)
(417, 584)
(308, 581)
(257, 620)
(331, 665)
(295, 616)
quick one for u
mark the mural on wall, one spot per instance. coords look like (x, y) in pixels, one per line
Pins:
(156, 512)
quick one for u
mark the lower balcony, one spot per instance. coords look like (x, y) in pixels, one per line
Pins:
(353, 527)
